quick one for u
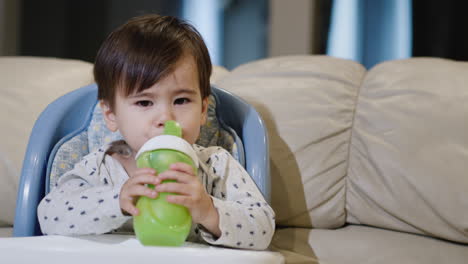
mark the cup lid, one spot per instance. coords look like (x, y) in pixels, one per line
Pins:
(169, 142)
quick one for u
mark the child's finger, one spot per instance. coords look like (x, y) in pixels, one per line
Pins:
(143, 179)
(129, 208)
(141, 171)
(173, 187)
(140, 190)
(179, 176)
(182, 167)
(179, 199)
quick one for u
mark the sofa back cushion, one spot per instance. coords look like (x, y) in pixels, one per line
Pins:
(408, 167)
(307, 103)
(27, 86)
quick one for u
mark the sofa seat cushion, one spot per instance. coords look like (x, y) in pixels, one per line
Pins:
(355, 244)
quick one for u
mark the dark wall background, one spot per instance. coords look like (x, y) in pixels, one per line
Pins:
(440, 29)
(75, 29)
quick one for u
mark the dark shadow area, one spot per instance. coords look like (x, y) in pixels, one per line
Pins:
(438, 29)
(278, 183)
(76, 29)
(322, 17)
(292, 243)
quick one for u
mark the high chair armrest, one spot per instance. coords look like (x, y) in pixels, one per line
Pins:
(250, 127)
(59, 119)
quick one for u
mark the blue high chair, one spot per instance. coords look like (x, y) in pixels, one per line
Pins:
(71, 114)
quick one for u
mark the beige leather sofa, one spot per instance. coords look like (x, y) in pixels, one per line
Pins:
(27, 86)
(367, 166)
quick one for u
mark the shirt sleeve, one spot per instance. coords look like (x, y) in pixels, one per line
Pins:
(245, 218)
(86, 199)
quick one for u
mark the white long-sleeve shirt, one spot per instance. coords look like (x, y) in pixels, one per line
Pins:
(86, 200)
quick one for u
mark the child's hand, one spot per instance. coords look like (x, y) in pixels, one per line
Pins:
(192, 195)
(135, 187)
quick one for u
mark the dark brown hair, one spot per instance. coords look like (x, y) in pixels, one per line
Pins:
(143, 51)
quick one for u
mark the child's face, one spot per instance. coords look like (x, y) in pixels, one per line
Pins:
(141, 116)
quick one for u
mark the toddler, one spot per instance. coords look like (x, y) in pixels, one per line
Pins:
(150, 70)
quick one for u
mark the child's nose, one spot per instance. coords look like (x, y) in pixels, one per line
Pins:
(163, 116)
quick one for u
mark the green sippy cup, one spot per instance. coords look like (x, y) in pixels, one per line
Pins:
(161, 223)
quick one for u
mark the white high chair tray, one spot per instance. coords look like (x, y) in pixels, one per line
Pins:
(118, 249)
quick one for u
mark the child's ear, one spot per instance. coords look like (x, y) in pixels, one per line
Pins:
(205, 103)
(109, 116)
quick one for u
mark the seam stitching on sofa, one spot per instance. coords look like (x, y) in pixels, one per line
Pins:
(356, 102)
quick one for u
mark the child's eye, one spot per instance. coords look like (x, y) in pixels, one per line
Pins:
(144, 103)
(181, 101)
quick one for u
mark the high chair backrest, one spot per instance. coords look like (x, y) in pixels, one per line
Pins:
(73, 122)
